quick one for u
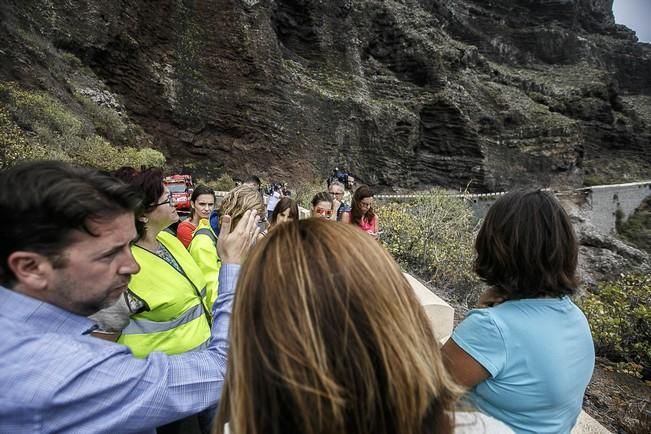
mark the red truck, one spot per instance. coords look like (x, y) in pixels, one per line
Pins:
(181, 189)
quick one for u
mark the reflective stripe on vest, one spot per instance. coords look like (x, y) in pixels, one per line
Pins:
(142, 326)
(208, 232)
(203, 249)
(178, 319)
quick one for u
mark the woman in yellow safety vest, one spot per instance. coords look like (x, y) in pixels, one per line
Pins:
(202, 203)
(165, 308)
(203, 247)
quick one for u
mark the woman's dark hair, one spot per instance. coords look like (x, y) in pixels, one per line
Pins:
(323, 196)
(149, 182)
(43, 202)
(281, 206)
(356, 212)
(201, 189)
(526, 247)
(198, 191)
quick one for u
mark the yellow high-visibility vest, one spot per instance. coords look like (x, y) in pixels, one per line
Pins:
(177, 316)
(203, 249)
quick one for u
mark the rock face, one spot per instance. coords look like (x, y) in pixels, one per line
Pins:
(412, 93)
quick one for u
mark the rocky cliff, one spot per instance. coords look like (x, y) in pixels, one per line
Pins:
(411, 93)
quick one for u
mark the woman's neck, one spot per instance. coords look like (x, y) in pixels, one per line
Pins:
(149, 241)
(195, 219)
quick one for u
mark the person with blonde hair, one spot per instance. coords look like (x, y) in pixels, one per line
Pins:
(239, 200)
(325, 343)
(203, 246)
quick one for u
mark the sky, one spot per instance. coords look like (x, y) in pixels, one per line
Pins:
(636, 15)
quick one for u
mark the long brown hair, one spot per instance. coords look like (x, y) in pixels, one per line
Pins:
(320, 346)
(356, 213)
(281, 206)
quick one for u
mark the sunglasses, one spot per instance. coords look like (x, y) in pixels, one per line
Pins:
(322, 211)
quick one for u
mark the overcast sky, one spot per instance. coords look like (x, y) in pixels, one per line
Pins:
(636, 15)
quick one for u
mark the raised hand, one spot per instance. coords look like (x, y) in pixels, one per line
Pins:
(233, 246)
(335, 206)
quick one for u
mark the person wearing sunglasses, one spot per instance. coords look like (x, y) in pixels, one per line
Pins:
(165, 307)
(336, 190)
(322, 205)
(361, 212)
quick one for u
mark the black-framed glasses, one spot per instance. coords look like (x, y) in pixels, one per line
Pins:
(169, 202)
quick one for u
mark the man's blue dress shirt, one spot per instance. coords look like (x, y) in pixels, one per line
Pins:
(55, 377)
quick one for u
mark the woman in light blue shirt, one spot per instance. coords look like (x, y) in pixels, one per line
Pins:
(528, 358)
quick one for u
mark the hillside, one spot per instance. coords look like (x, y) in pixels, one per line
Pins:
(491, 94)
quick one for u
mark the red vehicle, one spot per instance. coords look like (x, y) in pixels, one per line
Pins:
(181, 189)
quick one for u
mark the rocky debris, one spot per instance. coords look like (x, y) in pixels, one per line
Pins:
(621, 402)
(102, 97)
(603, 256)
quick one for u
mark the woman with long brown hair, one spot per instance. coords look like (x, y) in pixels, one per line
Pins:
(286, 210)
(361, 212)
(324, 342)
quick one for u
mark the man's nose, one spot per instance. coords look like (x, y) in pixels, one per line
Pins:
(130, 266)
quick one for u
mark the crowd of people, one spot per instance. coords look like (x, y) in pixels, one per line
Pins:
(113, 322)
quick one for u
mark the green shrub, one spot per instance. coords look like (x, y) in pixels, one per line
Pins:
(15, 146)
(433, 238)
(223, 183)
(97, 152)
(619, 313)
(39, 112)
(146, 157)
(107, 122)
(637, 228)
(57, 133)
(304, 192)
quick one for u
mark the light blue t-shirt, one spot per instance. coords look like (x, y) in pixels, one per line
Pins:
(540, 355)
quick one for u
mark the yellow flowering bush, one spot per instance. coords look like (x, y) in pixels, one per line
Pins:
(432, 237)
(619, 313)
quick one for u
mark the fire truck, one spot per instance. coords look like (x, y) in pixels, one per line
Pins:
(180, 187)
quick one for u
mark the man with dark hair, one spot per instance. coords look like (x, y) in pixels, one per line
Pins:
(65, 236)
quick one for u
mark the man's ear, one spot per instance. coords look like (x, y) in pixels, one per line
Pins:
(32, 270)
